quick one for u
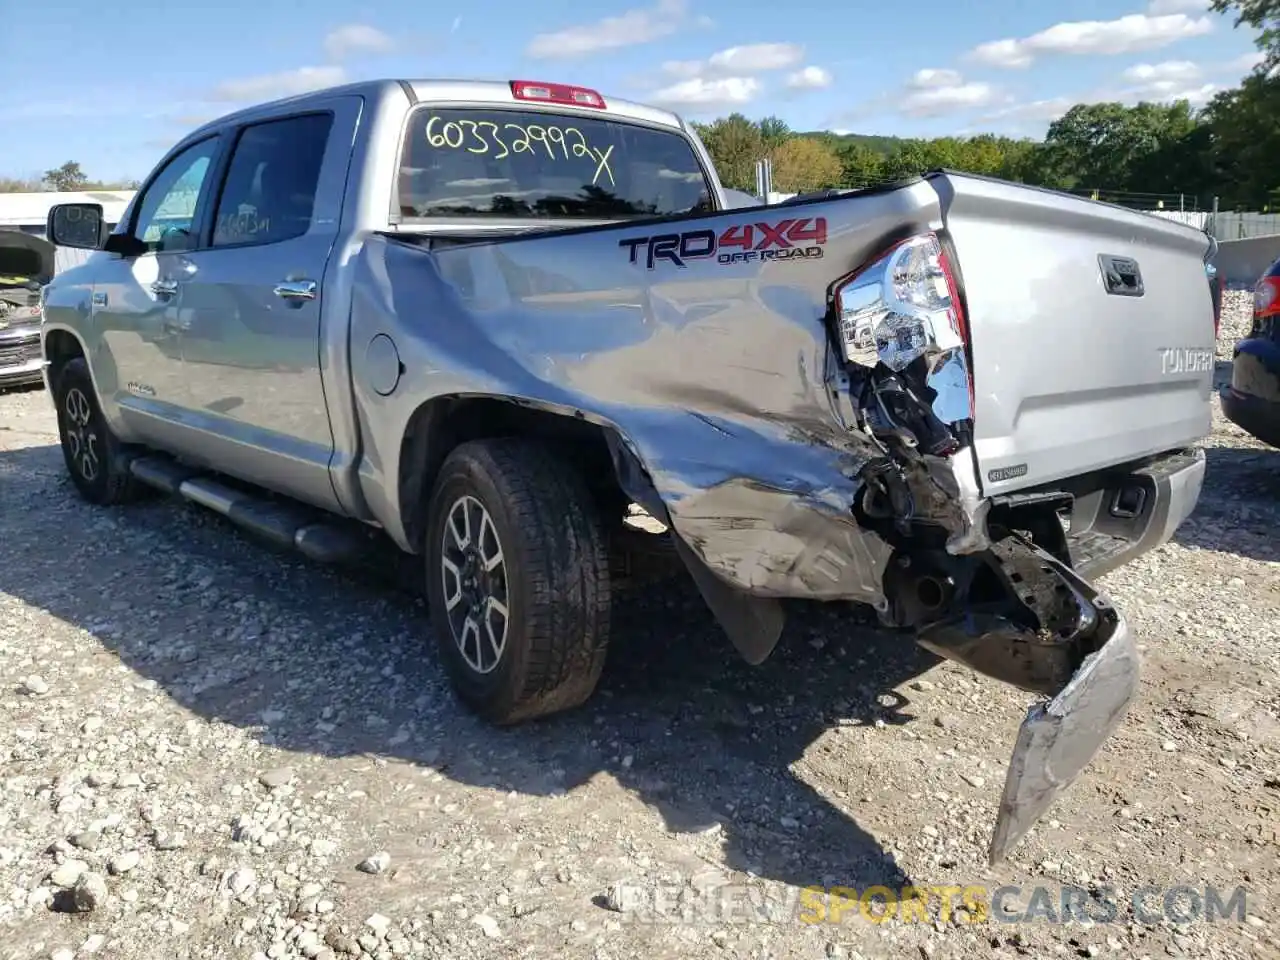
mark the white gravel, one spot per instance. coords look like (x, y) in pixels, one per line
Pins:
(210, 750)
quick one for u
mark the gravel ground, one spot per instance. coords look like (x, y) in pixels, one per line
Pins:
(211, 750)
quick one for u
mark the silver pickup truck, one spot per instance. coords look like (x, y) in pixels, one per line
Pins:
(490, 320)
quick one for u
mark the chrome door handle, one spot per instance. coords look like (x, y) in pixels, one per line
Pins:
(164, 288)
(296, 290)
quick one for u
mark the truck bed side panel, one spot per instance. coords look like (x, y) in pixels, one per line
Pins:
(716, 373)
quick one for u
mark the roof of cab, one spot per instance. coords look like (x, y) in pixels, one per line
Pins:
(462, 91)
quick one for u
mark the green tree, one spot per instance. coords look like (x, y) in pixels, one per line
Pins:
(1244, 137)
(1104, 145)
(774, 132)
(735, 144)
(803, 164)
(69, 176)
(860, 166)
(1261, 15)
(910, 158)
(984, 154)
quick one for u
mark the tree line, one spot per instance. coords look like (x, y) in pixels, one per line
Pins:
(1139, 153)
(68, 177)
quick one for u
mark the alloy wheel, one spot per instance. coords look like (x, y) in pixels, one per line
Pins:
(81, 436)
(474, 576)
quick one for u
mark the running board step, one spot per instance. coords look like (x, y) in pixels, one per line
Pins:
(285, 525)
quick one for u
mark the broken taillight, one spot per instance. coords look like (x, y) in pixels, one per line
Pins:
(904, 306)
(556, 93)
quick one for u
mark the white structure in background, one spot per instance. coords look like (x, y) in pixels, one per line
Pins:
(27, 212)
(1192, 218)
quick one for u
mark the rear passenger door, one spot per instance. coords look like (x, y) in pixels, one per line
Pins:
(251, 304)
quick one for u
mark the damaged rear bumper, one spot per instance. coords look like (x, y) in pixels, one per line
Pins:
(1058, 739)
(1062, 638)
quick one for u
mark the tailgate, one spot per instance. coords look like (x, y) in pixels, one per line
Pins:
(1091, 328)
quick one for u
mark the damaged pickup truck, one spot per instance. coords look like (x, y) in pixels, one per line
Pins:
(486, 319)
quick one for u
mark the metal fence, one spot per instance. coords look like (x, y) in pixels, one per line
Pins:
(1240, 226)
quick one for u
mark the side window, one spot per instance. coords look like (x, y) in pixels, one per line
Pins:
(166, 216)
(270, 191)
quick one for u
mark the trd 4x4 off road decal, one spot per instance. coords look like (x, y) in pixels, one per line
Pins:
(745, 243)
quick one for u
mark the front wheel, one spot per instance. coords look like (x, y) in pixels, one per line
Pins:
(517, 580)
(91, 451)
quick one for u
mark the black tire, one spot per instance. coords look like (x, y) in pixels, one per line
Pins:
(94, 457)
(555, 575)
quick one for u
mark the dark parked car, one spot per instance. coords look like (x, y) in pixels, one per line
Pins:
(26, 264)
(1252, 400)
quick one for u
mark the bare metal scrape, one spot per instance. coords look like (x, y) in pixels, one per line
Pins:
(1058, 738)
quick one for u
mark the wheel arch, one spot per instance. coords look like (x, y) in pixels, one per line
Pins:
(60, 346)
(613, 469)
(439, 425)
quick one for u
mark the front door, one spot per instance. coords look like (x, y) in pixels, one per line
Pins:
(139, 363)
(250, 306)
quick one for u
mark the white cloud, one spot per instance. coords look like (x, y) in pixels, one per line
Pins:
(1137, 31)
(729, 77)
(632, 27)
(1248, 62)
(1150, 82)
(933, 93)
(1167, 91)
(738, 61)
(355, 39)
(810, 78)
(1166, 82)
(1171, 71)
(275, 85)
(756, 58)
(706, 94)
(930, 78)
(1040, 111)
(1159, 7)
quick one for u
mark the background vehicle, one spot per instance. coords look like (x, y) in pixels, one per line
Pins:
(487, 318)
(1252, 399)
(26, 264)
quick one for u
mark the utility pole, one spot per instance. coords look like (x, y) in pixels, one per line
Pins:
(764, 178)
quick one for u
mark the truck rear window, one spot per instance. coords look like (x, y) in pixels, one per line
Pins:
(514, 163)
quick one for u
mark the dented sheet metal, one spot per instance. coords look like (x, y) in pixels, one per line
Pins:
(716, 372)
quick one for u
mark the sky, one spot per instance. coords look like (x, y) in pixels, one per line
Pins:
(131, 80)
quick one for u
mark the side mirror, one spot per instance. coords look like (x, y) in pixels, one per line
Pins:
(77, 225)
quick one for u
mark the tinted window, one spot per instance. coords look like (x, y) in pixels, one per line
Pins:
(166, 215)
(511, 163)
(270, 191)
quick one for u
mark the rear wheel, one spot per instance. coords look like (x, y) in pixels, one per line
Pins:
(517, 580)
(91, 451)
